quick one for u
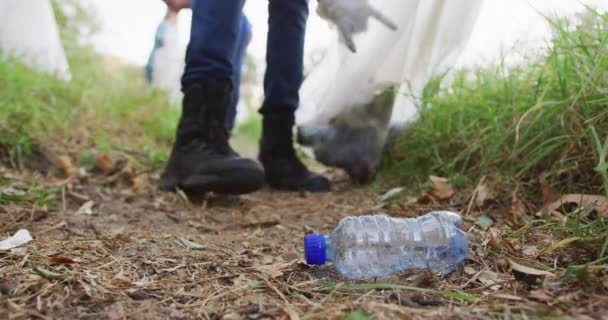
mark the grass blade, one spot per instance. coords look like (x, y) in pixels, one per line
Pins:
(191, 245)
(49, 275)
(561, 244)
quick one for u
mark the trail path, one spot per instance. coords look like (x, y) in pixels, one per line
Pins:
(153, 255)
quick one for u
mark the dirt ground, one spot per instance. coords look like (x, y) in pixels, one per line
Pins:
(142, 254)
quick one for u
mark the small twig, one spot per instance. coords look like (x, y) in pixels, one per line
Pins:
(64, 205)
(31, 312)
(475, 195)
(78, 196)
(267, 282)
(491, 285)
(57, 226)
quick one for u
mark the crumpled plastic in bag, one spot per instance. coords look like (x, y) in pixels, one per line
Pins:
(346, 114)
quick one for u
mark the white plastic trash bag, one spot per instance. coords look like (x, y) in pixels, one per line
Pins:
(169, 63)
(350, 99)
(28, 31)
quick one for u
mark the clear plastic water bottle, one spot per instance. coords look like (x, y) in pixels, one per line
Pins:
(373, 246)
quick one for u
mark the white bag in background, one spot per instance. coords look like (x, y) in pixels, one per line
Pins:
(169, 64)
(343, 117)
(28, 31)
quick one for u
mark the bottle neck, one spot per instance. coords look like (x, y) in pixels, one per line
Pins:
(329, 254)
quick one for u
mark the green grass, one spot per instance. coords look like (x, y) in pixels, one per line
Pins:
(546, 117)
(32, 195)
(106, 106)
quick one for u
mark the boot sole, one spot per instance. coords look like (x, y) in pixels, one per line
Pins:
(233, 182)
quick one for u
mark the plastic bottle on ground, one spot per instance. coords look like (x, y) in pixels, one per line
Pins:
(374, 246)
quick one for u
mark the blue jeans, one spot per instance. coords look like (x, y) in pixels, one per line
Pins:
(244, 38)
(214, 44)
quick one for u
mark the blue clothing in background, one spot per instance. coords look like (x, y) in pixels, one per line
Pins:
(159, 37)
(215, 40)
(238, 59)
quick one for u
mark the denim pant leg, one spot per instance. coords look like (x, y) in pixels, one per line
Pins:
(284, 55)
(238, 59)
(213, 40)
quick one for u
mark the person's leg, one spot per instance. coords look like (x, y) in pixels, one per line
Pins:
(284, 55)
(213, 40)
(202, 159)
(243, 41)
(284, 73)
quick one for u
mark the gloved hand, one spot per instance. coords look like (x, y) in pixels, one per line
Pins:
(351, 17)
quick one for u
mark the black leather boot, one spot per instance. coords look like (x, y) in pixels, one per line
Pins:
(284, 171)
(202, 159)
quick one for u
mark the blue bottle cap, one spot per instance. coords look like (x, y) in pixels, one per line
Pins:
(314, 249)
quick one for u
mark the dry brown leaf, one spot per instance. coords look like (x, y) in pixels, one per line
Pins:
(232, 316)
(541, 295)
(528, 275)
(425, 199)
(518, 210)
(548, 195)
(290, 256)
(137, 184)
(470, 270)
(499, 244)
(86, 208)
(506, 296)
(66, 165)
(441, 189)
(105, 163)
(530, 251)
(482, 194)
(597, 203)
(528, 270)
(54, 261)
(488, 277)
(274, 270)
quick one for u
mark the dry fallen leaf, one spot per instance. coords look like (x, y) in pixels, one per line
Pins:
(528, 270)
(518, 211)
(441, 189)
(482, 194)
(86, 208)
(290, 256)
(66, 165)
(541, 295)
(54, 261)
(274, 270)
(389, 195)
(506, 296)
(499, 244)
(137, 183)
(527, 274)
(470, 270)
(545, 187)
(530, 251)
(573, 202)
(232, 316)
(105, 163)
(487, 277)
